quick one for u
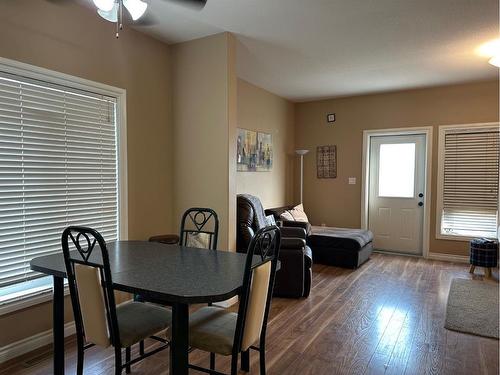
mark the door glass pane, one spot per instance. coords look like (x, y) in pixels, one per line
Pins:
(396, 175)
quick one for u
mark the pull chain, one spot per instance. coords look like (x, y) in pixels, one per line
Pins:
(119, 21)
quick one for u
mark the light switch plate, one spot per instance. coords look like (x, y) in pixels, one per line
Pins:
(352, 180)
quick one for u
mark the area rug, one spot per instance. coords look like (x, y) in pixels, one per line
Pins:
(473, 307)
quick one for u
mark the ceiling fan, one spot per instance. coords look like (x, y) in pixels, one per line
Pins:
(112, 10)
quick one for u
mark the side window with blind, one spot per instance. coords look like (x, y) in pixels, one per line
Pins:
(58, 167)
(468, 179)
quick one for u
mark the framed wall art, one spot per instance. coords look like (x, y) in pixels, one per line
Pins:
(326, 160)
(254, 151)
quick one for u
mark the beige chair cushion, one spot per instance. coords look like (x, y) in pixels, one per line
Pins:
(137, 321)
(90, 295)
(212, 328)
(198, 240)
(256, 305)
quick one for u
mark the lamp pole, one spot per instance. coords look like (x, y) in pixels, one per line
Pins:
(301, 153)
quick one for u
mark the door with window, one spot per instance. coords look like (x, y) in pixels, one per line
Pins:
(396, 192)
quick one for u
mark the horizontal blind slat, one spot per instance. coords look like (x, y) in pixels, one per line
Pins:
(58, 167)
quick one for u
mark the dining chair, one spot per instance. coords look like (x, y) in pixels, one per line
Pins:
(98, 320)
(199, 228)
(219, 331)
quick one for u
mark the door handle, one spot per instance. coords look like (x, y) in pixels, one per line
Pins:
(421, 195)
(420, 204)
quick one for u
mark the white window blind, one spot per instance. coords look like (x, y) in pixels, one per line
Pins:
(470, 182)
(58, 167)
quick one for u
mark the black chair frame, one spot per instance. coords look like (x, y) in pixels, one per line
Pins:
(266, 244)
(82, 256)
(199, 217)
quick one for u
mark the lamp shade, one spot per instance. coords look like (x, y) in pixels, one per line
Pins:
(301, 152)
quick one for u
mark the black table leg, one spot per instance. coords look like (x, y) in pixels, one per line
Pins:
(58, 325)
(179, 345)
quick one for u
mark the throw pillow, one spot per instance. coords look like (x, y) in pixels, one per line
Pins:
(286, 215)
(298, 213)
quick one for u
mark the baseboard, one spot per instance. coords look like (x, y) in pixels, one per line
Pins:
(34, 342)
(448, 257)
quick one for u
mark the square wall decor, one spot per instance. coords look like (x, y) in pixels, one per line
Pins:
(326, 160)
(254, 151)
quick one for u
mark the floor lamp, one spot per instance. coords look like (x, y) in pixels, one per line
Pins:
(301, 153)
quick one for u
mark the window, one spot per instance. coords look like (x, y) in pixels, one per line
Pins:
(58, 167)
(396, 177)
(468, 181)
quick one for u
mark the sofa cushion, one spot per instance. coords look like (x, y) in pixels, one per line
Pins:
(345, 238)
(298, 213)
(286, 215)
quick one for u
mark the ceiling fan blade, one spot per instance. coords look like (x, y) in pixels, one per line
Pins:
(148, 19)
(136, 8)
(193, 4)
(58, 2)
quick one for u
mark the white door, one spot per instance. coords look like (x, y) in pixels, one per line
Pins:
(396, 192)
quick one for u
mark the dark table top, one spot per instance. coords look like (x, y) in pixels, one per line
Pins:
(170, 273)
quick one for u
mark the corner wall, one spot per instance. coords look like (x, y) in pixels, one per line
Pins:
(261, 110)
(204, 112)
(333, 201)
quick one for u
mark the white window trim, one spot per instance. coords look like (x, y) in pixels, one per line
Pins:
(51, 76)
(440, 177)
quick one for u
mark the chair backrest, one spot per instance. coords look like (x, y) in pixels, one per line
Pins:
(258, 283)
(199, 228)
(89, 278)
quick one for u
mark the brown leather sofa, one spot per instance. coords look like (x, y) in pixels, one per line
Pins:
(295, 274)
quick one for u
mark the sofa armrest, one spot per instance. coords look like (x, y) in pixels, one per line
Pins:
(293, 243)
(296, 232)
(297, 224)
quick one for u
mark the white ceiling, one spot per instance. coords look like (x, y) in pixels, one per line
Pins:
(311, 49)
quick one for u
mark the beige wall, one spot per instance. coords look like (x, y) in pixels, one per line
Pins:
(74, 40)
(333, 201)
(203, 108)
(261, 110)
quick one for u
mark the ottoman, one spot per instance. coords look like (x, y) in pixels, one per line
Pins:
(483, 253)
(342, 247)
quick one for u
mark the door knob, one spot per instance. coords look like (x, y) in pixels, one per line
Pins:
(420, 204)
(420, 195)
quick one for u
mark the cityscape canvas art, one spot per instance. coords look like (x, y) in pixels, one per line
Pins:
(254, 151)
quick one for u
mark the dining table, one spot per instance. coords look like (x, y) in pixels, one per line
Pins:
(177, 275)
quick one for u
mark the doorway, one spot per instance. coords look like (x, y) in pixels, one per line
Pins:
(395, 190)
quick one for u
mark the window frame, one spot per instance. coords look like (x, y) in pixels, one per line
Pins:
(53, 77)
(440, 178)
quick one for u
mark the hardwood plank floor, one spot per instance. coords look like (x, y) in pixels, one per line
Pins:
(385, 318)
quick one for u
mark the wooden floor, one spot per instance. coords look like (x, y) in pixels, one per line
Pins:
(385, 318)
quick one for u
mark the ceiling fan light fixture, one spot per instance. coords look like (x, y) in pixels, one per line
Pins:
(495, 61)
(111, 15)
(136, 8)
(104, 5)
(489, 49)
